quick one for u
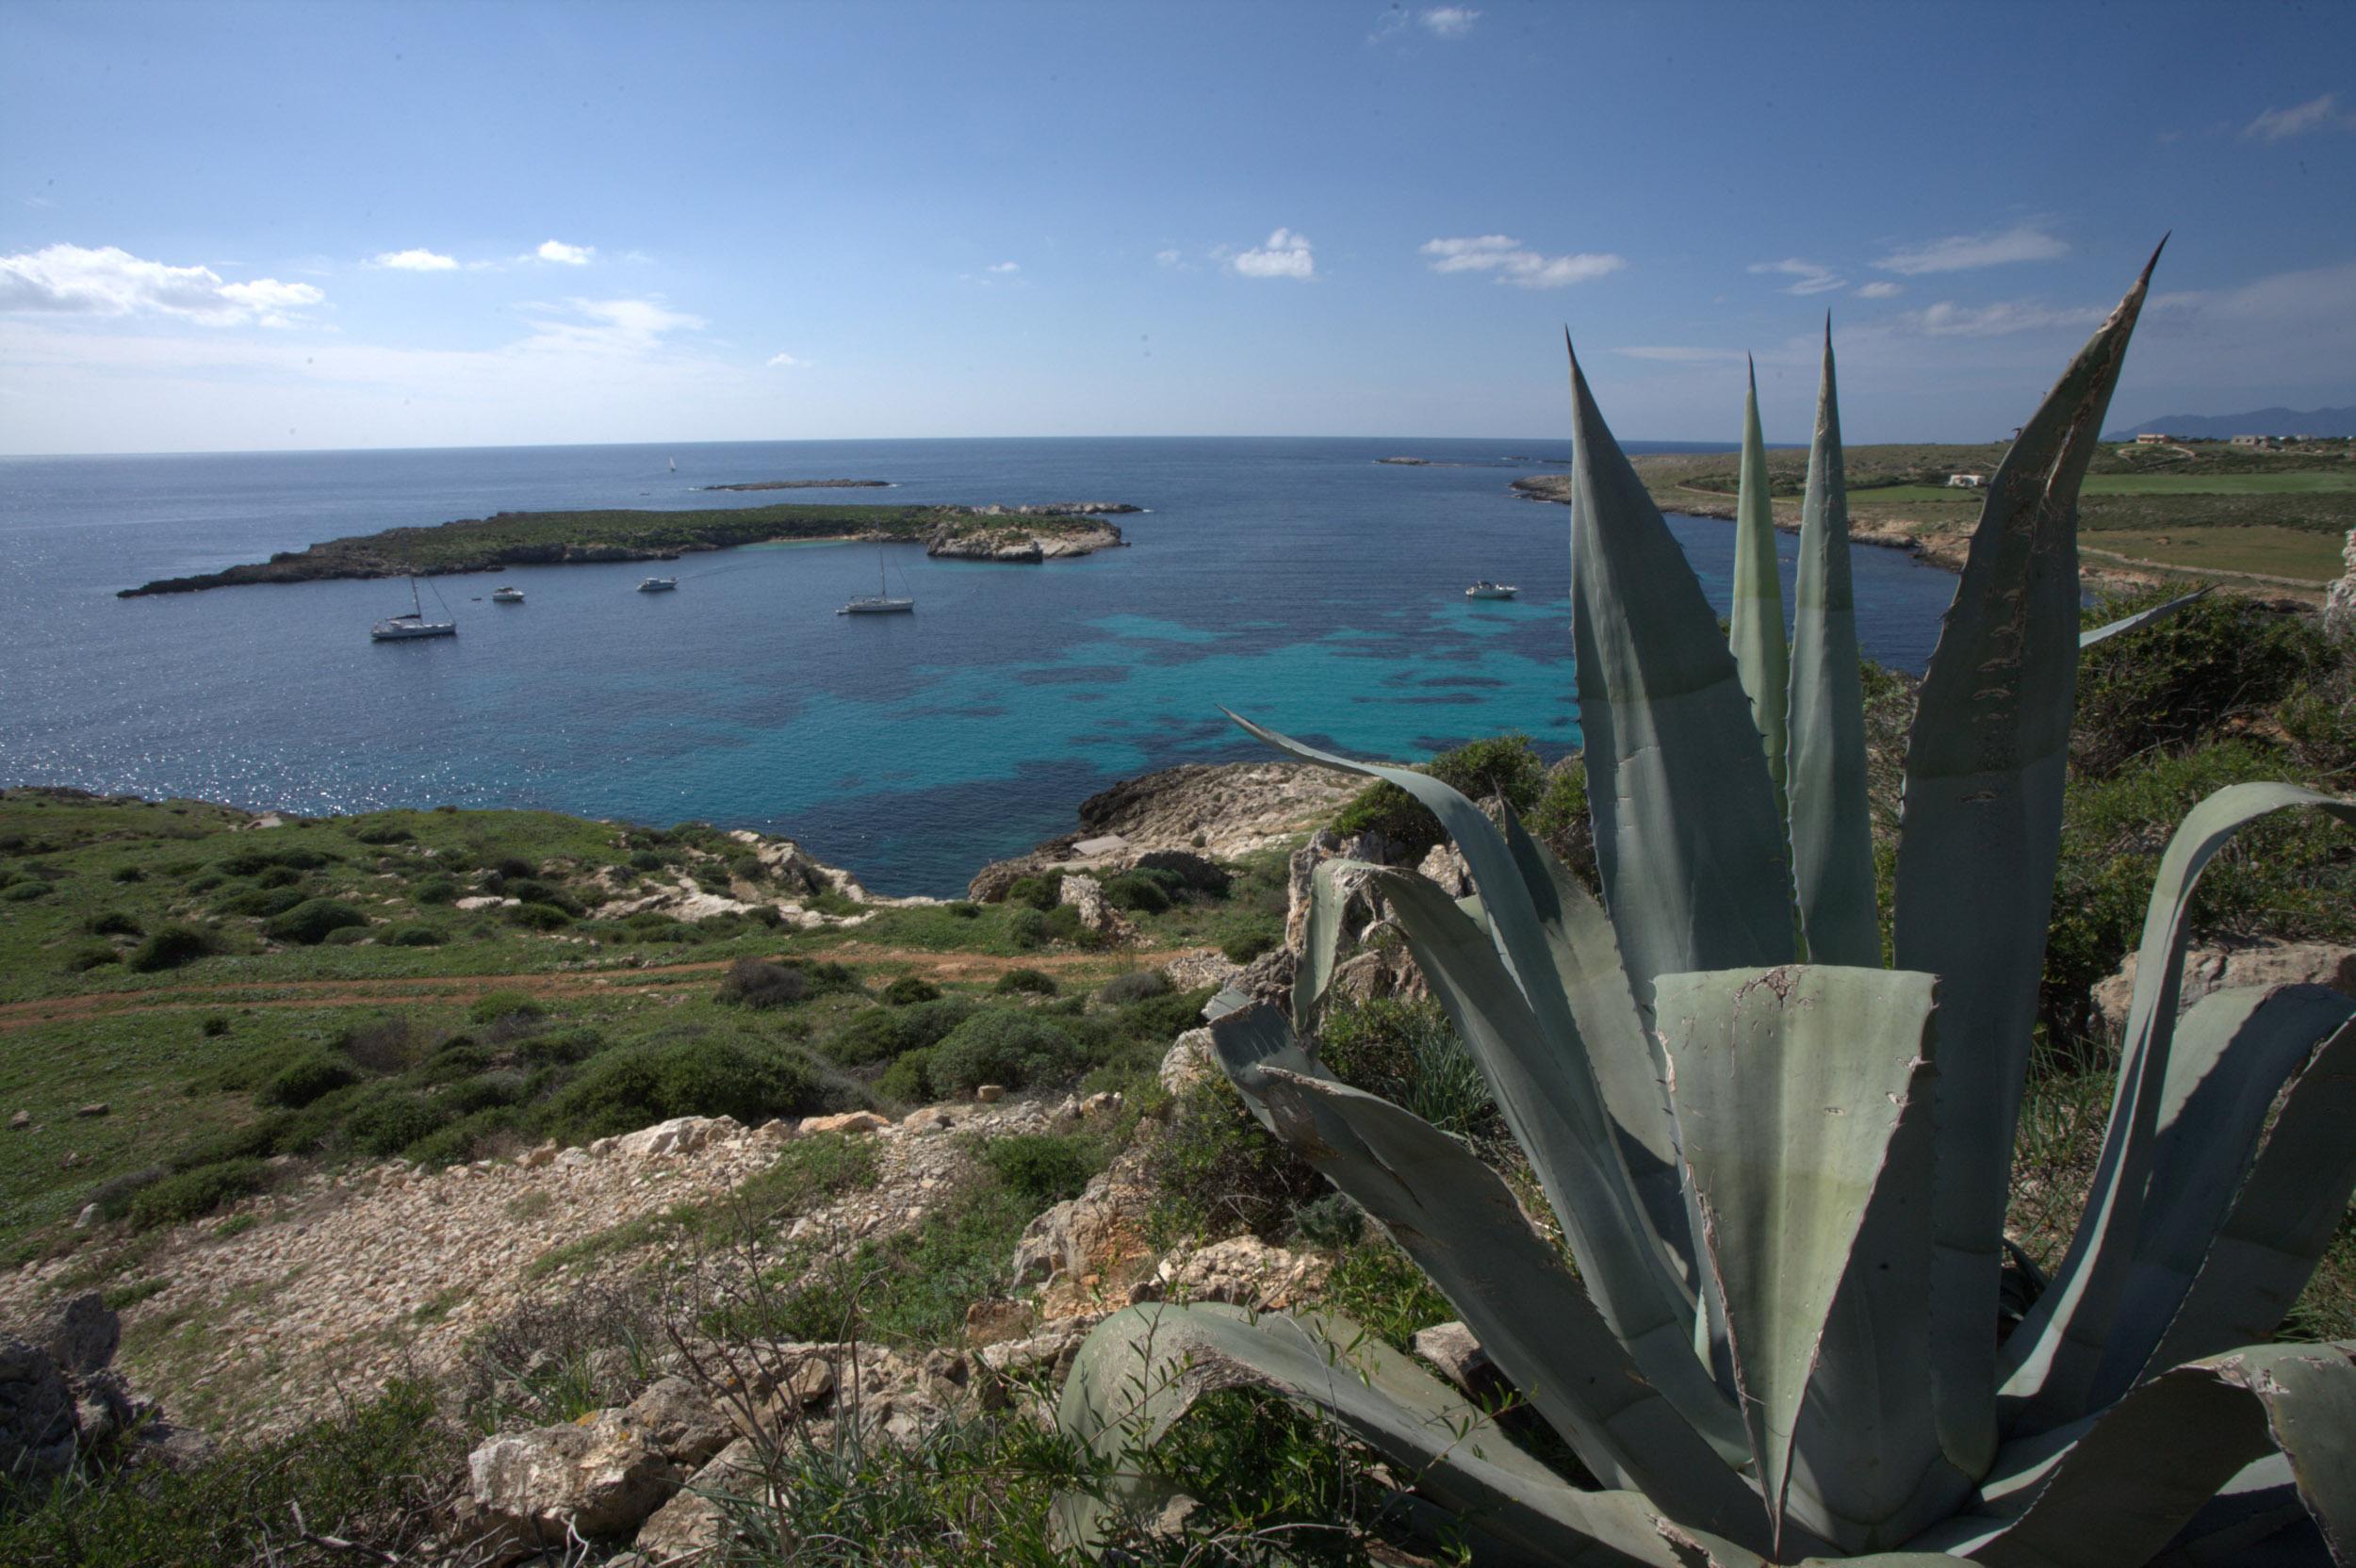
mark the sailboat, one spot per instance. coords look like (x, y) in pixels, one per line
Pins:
(882, 603)
(674, 464)
(397, 629)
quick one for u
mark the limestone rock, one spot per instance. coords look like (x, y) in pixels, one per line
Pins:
(678, 1422)
(38, 1427)
(1246, 1272)
(679, 1135)
(1445, 866)
(696, 1523)
(95, 1108)
(595, 1476)
(1069, 1236)
(80, 1334)
(1190, 1060)
(2339, 605)
(849, 1121)
(989, 1094)
(1452, 1348)
(21, 1120)
(995, 1319)
(2215, 968)
(1087, 897)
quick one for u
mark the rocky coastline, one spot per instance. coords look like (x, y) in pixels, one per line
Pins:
(1015, 534)
(805, 485)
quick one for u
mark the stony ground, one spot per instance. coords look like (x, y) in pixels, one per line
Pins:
(268, 1314)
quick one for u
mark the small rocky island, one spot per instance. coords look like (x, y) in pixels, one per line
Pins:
(1018, 535)
(805, 485)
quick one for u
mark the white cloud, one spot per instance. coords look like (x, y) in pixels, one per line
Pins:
(414, 261)
(611, 327)
(1168, 258)
(1285, 255)
(1450, 21)
(564, 254)
(1880, 288)
(1674, 356)
(1808, 277)
(783, 362)
(1006, 266)
(2315, 114)
(1513, 263)
(72, 281)
(1947, 320)
(1962, 252)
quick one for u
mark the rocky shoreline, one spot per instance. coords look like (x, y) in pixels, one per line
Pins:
(805, 485)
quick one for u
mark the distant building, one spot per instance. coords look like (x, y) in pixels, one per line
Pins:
(2152, 438)
(2254, 441)
(1965, 481)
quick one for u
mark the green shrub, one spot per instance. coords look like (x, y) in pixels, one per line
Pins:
(964, 908)
(24, 892)
(258, 903)
(1037, 892)
(908, 1079)
(1506, 765)
(469, 1095)
(1134, 987)
(1043, 1168)
(277, 876)
(309, 921)
(113, 923)
(88, 955)
(1214, 1173)
(1406, 1052)
(491, 1006)
(1026, 982)
(1139, 893)
(1244, 946)
(346, 936)
(214, 1026)
(129, 873)
(2186, 677)
(115, 1195)
(435, 890)
(1560, 822)
(415, 936)
(537, 917)
(872, 1035)
(513, 869)
(707, 1075)
(647, 860)
(910, 988)
(390, 1119)
(1026, 928)
(1002, 1047)
(1334, 1221)
(171, 946)
(305, 1080)
(1162, 1017)
(559, 1047)
(251, 863)
(757, 983)
(384, 833)
(195, 1192)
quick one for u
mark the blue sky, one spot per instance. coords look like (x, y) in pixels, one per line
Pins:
(252, 226)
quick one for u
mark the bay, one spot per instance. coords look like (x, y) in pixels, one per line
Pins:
(1298, 582)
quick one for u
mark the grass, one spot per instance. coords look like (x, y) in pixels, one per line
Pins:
(2304, 555)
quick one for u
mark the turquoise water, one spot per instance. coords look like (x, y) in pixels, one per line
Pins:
(1296, 582)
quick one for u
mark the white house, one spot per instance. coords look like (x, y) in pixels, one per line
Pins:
(1965, 481)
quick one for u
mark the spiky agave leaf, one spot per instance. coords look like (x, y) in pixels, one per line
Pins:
(1832, 832)
(1979, 842)
(1686, 834)
(1754, 626)
(2093, 636)
(2056, 1355)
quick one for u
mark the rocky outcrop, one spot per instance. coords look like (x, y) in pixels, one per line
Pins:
(1244, 1271)
(1087, 897)
(1184, 819)
(63, 1406)
(1020, 545)
(2216, 969)
(596, 1477)
(2339, 605)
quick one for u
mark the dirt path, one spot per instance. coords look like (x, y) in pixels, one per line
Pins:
(412, 991)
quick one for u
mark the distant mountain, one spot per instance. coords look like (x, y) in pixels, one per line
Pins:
(2264, 421)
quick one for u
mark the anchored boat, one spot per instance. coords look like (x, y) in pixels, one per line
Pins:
(658, 584)
(507, 596)
(400, 629)
(1485, 589)
(881, 602)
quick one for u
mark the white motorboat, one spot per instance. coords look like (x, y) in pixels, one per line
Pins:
(507, 596)
(880, 602)
(1485, 589)
(658, 584)
(400, 629)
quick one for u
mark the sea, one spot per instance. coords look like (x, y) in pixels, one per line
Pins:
(1299, 582)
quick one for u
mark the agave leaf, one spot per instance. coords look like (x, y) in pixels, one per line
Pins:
(1460, 1223)
(1832, 833)
(1624, 1055)
(2283, 1218)
(1790, 1085)
(2056, 1355)
(2141, 618)
(1329, 886)
(1546, 1092)
(1686, 834)
(2116, 1487)
(1755, 628)
(1979, 842)
(2232, 1051)
(2255, 1505)
(1143, 1368)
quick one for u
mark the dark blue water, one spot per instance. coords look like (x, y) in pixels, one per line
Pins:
(1296, 582)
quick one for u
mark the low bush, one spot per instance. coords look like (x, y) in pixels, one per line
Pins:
(537, 917)
(114, 1196)
(24, 892)
(129, 873)
(1141, 892)
(1043, 1168)
(435, 890)
(1037, 892)
(1026, 928)
(84, 957)
(380, 1044)
(1506, 765)
(1026, 982)
(1134, 987)
(491, 1006)
(384, 833)
(559, 1047)
(193, 1194)
(252, 862)
(1013, 1049)
(757, 983)
(170, 947)
(2198, 672)
(305, 1080)
(964, 908)
(309, 921)
(114, 923)
(1406, 1052)
(415, 936)
(910, 988)
(751, 1080)
(870, 1035)
(910, 1078)
(1246, 945)
(388, 1121)
(1215, 1173)
(513, 869)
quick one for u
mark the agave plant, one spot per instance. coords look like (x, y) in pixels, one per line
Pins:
(1779, 1167)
